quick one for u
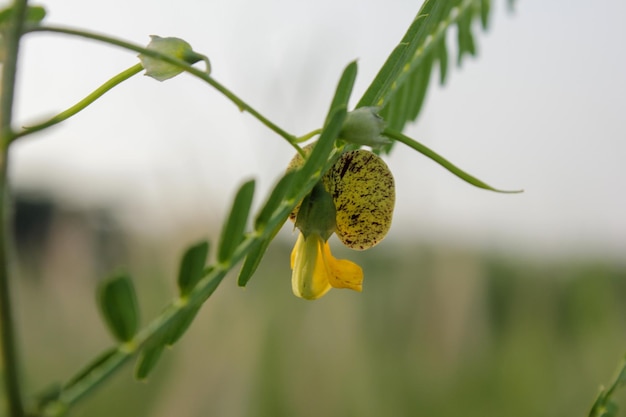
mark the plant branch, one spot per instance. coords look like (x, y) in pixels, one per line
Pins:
(113, 359)
(203, 75)
(604, 405)
(96, 94)
(10, 360)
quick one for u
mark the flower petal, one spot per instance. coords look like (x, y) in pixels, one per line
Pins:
(309, 278)
(341, 272)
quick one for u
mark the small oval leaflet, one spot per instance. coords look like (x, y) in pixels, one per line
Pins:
(118, 305)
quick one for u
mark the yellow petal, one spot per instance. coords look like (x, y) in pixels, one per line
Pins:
(309, 278)
(341, 272)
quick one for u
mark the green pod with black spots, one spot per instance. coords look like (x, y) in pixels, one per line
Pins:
(363, 190)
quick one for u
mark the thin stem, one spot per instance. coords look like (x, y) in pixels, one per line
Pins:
(203, 75)
(308, 136)
(7, 332)
(96, 94)
(429, 153)
(113, 359)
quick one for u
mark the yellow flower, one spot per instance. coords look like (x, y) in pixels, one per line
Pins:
(315, 270)
(355, 200)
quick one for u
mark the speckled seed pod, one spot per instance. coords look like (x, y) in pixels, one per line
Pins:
(364, 193)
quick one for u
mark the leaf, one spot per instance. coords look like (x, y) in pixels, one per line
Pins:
(465, 37)
(376, 93)
(48, 395)
(485, 8)
(406, 73)
(344, 89)
(442, 58)
(418, 88)
(192, 267)
(34, 15)
(252, 261)
(148, 358)
(93, 365)
(442, 161)
(274, 201)
(232, 233)
(294, 186)
(118, 306)
(317, 162)
(180, 325)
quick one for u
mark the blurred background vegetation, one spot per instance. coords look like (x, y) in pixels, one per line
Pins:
(438, 330)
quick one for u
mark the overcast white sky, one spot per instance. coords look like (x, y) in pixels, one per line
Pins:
(541, 108)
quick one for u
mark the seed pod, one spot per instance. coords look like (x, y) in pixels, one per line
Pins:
(363, 191)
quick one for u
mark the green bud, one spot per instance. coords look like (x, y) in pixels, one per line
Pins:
(363, 126)
(174, 47)
(317, 214)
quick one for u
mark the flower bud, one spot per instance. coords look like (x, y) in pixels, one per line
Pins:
(363, 126)
(174, 47)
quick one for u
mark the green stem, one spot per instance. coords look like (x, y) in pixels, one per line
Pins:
(392, 134)
(203, 75)
(113, 359)
(10, 360)
(96, 94)
(203, 290)
(603, 402)
(308, 136)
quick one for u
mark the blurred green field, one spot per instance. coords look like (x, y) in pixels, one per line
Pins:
(438, 331)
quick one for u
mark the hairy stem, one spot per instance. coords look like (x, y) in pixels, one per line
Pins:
(7, 333)
(96, 94)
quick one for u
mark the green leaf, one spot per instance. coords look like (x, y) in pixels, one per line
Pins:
(34, 15)
(180, 325)
(294, 186)
(465, 37)
(233, 231)
(442, 58)
(94, 365)
(318, 160)
(419, 88)
(148, 358)
(274, 201)
(48, 395)
(315, 165)
(376, 93)
(118, 306)
(485, 8)
(405, 74)
(620, 380)
(253, 259)
(442, 161)
(344, 89)
(192, 267)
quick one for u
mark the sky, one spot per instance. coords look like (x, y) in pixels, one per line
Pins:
(541, 108)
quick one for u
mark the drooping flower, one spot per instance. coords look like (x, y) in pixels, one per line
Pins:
(355, 200)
